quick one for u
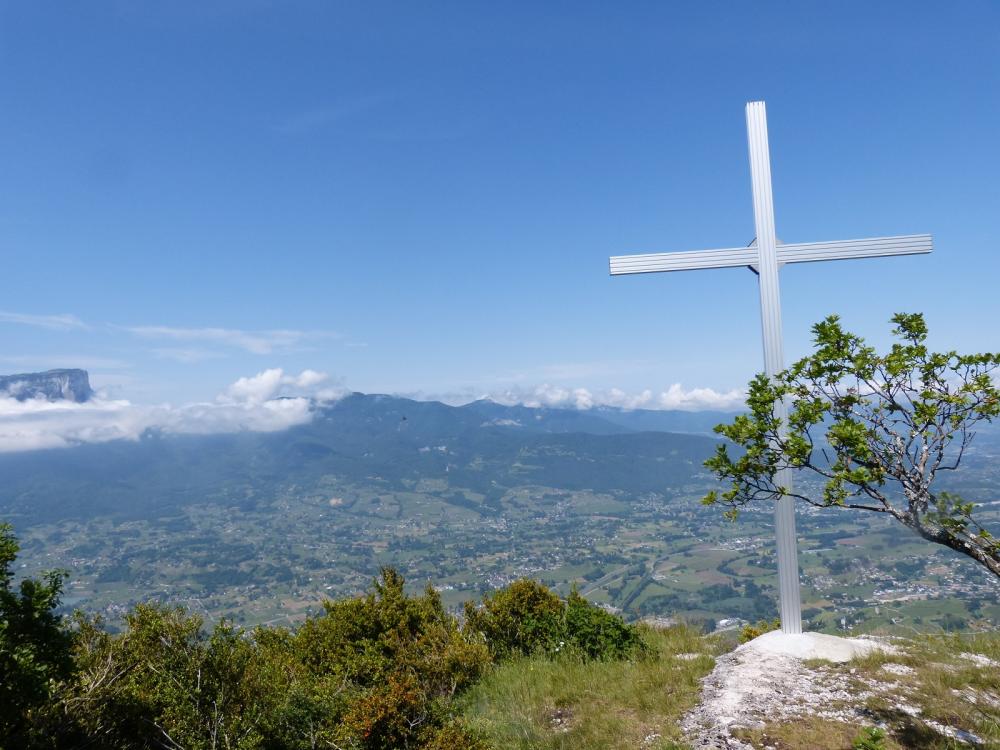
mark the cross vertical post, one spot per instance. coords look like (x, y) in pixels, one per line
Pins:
(770, 318)
(765, 256)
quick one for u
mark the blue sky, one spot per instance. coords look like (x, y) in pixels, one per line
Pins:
(421, 198)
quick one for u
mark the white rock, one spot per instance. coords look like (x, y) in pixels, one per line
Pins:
(956, 734)
(811, 646)
(767, 680)
(980, 660)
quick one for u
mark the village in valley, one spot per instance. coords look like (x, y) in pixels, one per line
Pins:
(655, 556)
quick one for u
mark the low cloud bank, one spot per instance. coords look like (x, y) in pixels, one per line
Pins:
(674, 397)
(273, 400)
(267, 402)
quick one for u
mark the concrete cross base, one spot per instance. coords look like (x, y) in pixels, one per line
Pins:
(812, 646)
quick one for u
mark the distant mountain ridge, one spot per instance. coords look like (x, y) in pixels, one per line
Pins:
(370, 440)
(601, 420)
(52, 385)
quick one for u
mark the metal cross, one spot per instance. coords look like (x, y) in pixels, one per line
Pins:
(765, 256)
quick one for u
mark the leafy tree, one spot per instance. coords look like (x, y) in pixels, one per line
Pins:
(35, 647)
(890, 425)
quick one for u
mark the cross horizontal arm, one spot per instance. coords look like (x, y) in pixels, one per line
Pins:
(875, 247)
(802, 252)
(685, 261)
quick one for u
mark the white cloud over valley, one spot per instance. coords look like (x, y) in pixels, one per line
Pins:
(267, 402)
(273, 400)
(674, 397)
(269, 384)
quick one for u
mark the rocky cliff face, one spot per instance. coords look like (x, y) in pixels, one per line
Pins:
(54, 385)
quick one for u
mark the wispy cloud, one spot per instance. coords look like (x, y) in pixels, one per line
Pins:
(64, 322)
(255, 342)
(185, 356)
(267, 402)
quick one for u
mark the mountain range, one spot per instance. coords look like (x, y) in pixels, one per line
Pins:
(483, 447)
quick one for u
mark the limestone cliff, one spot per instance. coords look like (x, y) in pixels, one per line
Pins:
(53, 385)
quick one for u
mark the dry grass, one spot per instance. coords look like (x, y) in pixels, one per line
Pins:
(569, 704)
(945, 686)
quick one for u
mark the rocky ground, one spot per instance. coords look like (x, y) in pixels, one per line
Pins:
(778, 679)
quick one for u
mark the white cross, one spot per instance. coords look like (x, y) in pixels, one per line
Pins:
(764, 257)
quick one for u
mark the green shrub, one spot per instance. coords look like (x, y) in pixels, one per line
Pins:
(872, 738)
(522, 618)
(385, 717)
(454, 736)
(398, 658)
(375, 672)
(598, 634)
(366, 640)
(749, 632)
(166, 682)
(371, 673)
(527, 618)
